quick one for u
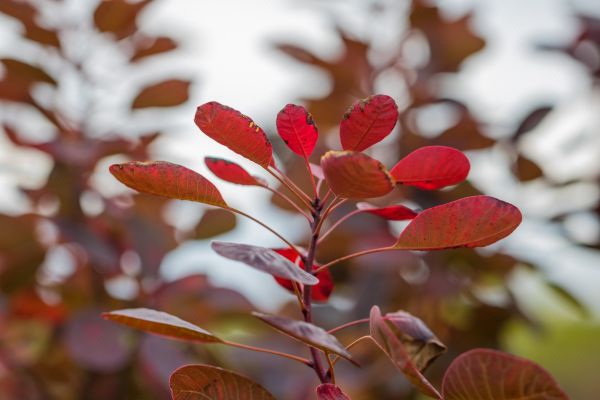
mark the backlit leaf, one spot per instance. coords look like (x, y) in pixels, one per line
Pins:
(234, 130)
(396, 351)
(163, 94)
(355, 175)
(329, 391)
(161, 323)
(230, 172)
(397, 212)
(165, 179)
(367, 122)
(490, 375)
(307, 333)
(205, 382)
(432, 167)
(296, 127)
(474, 221)
(265, 260)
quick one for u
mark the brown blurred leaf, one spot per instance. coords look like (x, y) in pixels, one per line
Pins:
(169, 93)
(526, 170)
(214, 222)
(148, 46)
(27, 14)
(118, 16)
(18, 79)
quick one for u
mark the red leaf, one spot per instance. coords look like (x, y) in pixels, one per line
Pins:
(432, 167)
(321, 291)
(306, 333)
(296, 127)
(489, 375)
(329, 391)
(355, 175)
(367, 122)
(393, 213)
(234, 130)
(165, 179)
(161, 323)
(163, 94)
(196, 382)
(470, 222)
(265, 260)
(396, 351)
(230, 172)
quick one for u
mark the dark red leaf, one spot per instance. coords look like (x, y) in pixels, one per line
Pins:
(296, 127)
(169, 93)
(367, 122)
(490, 375)
(474, 221)
(265, 260)
(355, 175)
(234, 130)
(230, 172)
(432, 167)
(393, 213)
(306, 333)
(319, 292)
(165, 179)
(161, 323)
(205, 382)
(329, 391)
(395, 349)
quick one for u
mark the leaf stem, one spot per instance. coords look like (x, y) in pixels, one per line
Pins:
(340, 221)
(289, 201)
(353, 255)
(351, 345)
(285, 181)
(268, 351)
(312, 178)
(348, 324)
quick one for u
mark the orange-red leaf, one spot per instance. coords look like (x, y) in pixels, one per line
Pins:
(230, 172)
(329, 391)
(355, 175)
(205, 382)
(234, 130)
(396, 212)
(163, 94)
(296, 127)
(489, 375)
(432, 167)
(367, 122)
(165, 179)
(396, 351)
(161, 323)
(474, 221)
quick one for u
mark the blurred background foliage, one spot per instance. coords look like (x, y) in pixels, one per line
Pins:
(83, 84)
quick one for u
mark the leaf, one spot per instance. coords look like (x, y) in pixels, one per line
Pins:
(161, 323)
(329, 391)
(296, 127)
(420, 343)
(230, 172)
(165, 179)
(389, 343)
(147, 47)
(169, 93)
(317, 171)
(432, 167)
(205, 382)
(396, 212)
(214, 222)
(306, 333)
(235, 131)
(118, 16)
(489, 375)
(319, 292)
(355, 175)
(265, 260)
(367, 122)
(474, 221)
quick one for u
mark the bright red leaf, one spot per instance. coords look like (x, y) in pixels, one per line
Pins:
(367, 122)
(432, 167)
(196, 382)
(393, 213)
(469, 222)
(230, 172)
(234, 130)
(165, 179)
(329, 391)
(296, 127)
(355, 175)
(321, 291)
(489, 375)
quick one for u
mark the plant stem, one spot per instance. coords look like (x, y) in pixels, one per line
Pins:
(353, 255)
(262, 350)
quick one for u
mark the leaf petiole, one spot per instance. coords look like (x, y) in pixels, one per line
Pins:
(268, 351)
(354, 255)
